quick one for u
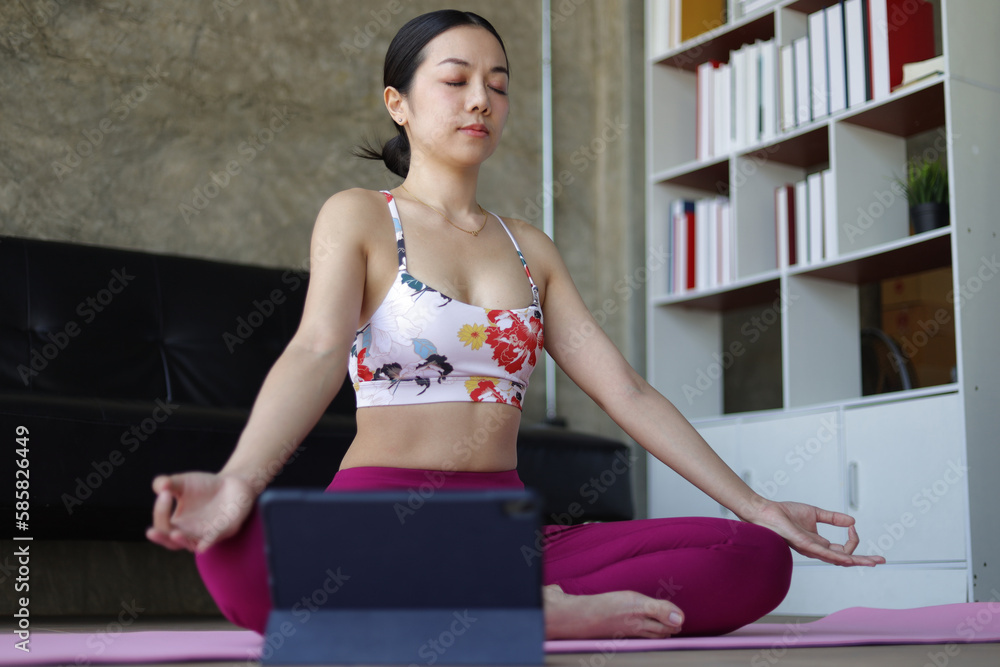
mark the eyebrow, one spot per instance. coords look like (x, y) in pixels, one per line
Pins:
(459, 61)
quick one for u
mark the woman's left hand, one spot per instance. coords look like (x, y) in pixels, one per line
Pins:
(796, 522)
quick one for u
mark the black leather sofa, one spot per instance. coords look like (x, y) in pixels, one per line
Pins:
(118, 365)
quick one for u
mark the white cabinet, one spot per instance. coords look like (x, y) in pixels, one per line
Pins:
(907, 479)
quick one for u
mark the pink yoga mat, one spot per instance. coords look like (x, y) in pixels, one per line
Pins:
(944, 624)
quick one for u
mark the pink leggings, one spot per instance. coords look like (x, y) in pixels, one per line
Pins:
(722, 574)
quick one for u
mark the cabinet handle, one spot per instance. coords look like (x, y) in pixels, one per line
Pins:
(852, 485)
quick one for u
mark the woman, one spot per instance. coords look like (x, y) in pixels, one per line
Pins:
(448, 365)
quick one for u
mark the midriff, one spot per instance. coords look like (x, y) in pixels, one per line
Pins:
(467, 436)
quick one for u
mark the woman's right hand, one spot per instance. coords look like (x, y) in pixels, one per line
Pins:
(210, 507)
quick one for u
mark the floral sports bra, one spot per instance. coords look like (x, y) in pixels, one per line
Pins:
(421, 346)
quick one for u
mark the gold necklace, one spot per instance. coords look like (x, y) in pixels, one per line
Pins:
(474, 233)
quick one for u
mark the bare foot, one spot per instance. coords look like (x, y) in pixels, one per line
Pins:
(609, 615)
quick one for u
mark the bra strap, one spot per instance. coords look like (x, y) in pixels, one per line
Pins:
(534, 288)
(400, 244)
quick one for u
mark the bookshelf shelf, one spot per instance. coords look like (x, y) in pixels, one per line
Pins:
(906, 112)
(747, 292)
(761, 362)
(920, 252)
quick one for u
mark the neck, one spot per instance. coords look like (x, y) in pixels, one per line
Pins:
(450, 191)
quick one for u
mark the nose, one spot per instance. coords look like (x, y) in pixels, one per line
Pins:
(479, 99)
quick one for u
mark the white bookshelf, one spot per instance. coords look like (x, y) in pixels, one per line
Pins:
(885, 450)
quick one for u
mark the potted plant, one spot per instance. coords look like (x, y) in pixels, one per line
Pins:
(926, 189)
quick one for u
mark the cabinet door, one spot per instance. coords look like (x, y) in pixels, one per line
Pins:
(796, 458)
(670, 495)
(907, 478)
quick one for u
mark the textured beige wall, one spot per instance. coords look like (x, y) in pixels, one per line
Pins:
(217, 129)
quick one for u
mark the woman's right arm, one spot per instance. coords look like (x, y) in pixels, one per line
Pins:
(296, 391)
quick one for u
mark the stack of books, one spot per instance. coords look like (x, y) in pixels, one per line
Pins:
(854, 51)
(805, 218)
(701, 244)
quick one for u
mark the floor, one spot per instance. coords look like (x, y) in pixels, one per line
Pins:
(965, 655)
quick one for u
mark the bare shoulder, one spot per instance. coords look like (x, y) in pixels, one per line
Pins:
(352, 210)
(539, 250)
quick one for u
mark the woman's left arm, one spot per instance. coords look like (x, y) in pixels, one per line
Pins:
(585, 353)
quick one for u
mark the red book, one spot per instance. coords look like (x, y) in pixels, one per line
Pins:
(689, 214)
(900, 32)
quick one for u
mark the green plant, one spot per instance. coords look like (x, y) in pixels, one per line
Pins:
(926, 182)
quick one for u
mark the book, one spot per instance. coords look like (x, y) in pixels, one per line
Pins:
(857, 53)
(726, 242)
(768, 90)
(900, 31)
(738, 59)
(752, 107)
(784, 219)
(803, 102)
(802, 223)
(815, 186)
(703, 249)
(914, 72)
(817, 65)
(705, 116)
(836, 58)
(723, 109)
(787, 88)
(830, 222)
(699, 16)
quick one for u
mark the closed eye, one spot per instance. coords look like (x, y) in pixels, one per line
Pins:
(462, 83)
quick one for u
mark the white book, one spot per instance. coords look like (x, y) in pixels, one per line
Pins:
(706, 85)
(739, 102)
(702, 249)
(712, 225)
(830, 222)
(781, 224)
(723, 105)
(801, 223)
(768, 90)
(675, 23)
(752, 108)
(787, 88)
(815, 182)
(836, 63)
(680, 244)
(878, 21)
(857, 75)
(818, 65)
(728, 256)
(660, 30)
(803, 102)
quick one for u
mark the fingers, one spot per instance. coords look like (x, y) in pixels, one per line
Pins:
(834, 518)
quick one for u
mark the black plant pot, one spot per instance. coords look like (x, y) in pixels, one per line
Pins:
(928, 216)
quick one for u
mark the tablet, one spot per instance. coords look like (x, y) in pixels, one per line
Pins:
(388, 577)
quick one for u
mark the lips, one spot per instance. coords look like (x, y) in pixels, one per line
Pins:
(478, 130)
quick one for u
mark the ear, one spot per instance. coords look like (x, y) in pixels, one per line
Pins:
(396, 104)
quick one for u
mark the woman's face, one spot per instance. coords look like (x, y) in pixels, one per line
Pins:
(461, 82)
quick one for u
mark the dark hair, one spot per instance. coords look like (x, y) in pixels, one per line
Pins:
(404, 56)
